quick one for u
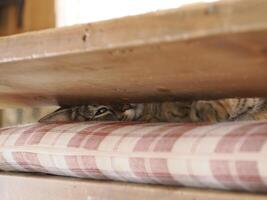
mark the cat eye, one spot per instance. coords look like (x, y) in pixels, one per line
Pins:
(101, 111)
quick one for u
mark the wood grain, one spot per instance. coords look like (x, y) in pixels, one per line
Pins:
(32, 187)
(206, 51)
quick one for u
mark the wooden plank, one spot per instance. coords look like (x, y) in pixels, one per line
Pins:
(209, 50)
(31, 187)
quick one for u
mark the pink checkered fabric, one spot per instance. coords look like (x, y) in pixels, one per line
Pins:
(229, 156)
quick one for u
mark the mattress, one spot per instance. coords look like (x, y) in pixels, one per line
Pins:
(231, 156)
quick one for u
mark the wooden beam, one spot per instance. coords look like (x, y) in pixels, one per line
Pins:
(31, 187)
(206, 51)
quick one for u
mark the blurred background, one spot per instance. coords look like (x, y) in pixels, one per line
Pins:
(18, 16)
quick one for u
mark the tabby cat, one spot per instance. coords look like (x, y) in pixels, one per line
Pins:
(188, 111)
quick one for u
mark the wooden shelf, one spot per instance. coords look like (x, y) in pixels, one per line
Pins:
(208, 50)
(32, 187)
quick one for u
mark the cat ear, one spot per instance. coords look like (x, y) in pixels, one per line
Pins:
(60, 115)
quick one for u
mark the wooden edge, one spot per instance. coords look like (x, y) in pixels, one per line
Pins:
(31, 187)
(187, 22)
(212, 50)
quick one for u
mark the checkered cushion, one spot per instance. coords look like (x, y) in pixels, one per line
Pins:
(229, 156)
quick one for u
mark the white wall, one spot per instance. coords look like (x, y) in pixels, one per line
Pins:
(71, 12)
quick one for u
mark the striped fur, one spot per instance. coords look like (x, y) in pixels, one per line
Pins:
(196, 111)
(229, 110)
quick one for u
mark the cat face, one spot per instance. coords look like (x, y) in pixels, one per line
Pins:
(196, 111)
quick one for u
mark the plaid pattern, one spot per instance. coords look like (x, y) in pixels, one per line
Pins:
(229, 156)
